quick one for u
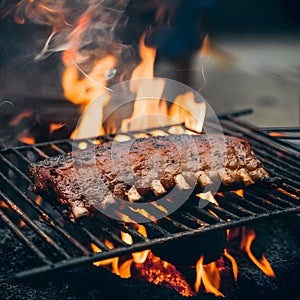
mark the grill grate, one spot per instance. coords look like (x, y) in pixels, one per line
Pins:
(60, 243)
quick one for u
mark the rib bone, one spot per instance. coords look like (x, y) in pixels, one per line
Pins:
(157, 188)
(133, 195)
(245, 176)
(203, 179)
(78, 209)
(181, 182)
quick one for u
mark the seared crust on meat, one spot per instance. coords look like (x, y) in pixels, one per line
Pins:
(131, 170)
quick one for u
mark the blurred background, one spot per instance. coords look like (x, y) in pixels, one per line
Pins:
(251, 57)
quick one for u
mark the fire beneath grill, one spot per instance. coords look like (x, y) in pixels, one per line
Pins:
(151, 268)
(202, 249)
(157, 252)
(281, 246)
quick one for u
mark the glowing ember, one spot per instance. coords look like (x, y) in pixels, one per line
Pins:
(209, 275)
(147, 266)
(21, 224)
(287, 193)
(160, 272)
(38, 200)
(220, 194)
(3, 204)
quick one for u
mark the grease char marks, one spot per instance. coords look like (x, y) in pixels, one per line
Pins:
(133, 169)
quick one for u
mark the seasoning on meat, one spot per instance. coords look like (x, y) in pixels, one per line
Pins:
(133, 169)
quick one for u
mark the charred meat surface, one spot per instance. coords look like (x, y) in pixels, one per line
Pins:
(133, 169)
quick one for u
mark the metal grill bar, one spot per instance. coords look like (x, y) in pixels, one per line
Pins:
(257, 203)
(143, 246)
(251, 131)
(46, 218)
(36, 228)
(23, 238)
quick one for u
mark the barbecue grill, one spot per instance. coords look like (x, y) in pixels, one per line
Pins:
(62, 243)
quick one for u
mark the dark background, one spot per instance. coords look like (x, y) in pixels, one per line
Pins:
(231, 25)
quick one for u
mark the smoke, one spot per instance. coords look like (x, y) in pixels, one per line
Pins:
(88, 30)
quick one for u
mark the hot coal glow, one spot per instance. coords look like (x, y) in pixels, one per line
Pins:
(146, 266)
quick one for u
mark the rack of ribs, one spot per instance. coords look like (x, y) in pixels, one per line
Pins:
(130, 170)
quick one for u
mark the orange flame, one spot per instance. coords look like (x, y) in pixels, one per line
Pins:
(248, 237)
(21, 224)
(123, 269)
(148, 266)
(213, 213)
(27, 140)
(110, 262)
(144, 213)
(149, 109)
(55, 126)
(183, 109)
(82, 88)
(240, 193)
(138, 257)
(38, 200)
(69, 55)
(233, 263)
(263, 263)
(208, 196)
(84, 91)
(148, 93)
(20, 117)
(276, 134)
(3, 204)
(209, 275)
